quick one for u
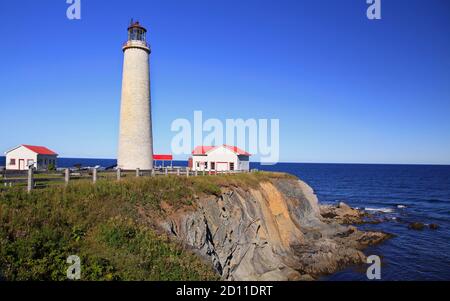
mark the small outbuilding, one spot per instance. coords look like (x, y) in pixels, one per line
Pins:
(219, 158)
(25, 156)
(161, 159)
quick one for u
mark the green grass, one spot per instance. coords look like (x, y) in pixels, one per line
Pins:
(101, 224)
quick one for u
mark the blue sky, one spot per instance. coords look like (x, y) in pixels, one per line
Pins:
(345, 89)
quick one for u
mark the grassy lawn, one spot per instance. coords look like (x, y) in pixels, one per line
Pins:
(101, 225)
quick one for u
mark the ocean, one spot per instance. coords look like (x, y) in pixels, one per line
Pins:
(401, 194)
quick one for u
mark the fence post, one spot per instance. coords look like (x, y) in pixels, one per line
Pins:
(187, 171)
(167, 171)
(138, 172)
(67, 176)
(119, 174)
(203, 172)
(196, 173)
(153, 172)
(94, 175)
(30, 182)
(178, 171)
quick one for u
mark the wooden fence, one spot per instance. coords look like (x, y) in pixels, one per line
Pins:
(35, 179)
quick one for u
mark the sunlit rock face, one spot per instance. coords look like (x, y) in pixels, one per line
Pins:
(274, 232)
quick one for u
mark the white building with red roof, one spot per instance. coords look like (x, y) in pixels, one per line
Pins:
(219, 158)
(24, 156)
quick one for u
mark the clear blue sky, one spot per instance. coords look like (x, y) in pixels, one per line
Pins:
(345, 89)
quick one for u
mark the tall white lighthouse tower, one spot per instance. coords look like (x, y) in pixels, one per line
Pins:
(135, 134)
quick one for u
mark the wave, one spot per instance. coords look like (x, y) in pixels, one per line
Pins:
(384, 210)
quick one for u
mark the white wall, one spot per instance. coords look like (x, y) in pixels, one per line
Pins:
(21, 155)
(218, 155)
(135, 149)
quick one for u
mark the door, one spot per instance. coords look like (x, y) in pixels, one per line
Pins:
(222, 166)
(21, 164)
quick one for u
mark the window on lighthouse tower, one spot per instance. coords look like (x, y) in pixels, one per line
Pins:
(136, 33)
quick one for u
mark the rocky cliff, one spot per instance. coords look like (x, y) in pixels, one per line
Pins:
(275, 231)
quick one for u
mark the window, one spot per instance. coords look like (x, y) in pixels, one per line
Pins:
(198, 164)
(12, 162)
(232, 166)
(213, 165)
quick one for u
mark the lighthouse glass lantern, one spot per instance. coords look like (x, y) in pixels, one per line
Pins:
(136, 32)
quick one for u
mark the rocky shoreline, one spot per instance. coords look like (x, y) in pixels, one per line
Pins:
(277, 231)
(343, 243)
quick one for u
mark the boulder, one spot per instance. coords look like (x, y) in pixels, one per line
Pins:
(434, 226)
(342, 214)
(416, 226)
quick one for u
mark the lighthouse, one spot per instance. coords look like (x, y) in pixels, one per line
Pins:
(135, 132)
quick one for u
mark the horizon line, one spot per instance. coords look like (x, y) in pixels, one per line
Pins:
(290, 162)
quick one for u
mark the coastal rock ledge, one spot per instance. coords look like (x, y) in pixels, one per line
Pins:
(272, 232)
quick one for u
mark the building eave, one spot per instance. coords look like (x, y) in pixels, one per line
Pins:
(10, 150)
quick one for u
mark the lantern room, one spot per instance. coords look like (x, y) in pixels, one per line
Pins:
(136, 32)
(137, 37)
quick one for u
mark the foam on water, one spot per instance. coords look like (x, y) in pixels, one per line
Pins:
(384, 210)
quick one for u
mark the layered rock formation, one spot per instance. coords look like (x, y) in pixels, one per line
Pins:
(273, 232)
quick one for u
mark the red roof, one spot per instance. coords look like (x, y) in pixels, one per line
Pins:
(237, 150)
(163, 157)
(41, 150)
(202, 150)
